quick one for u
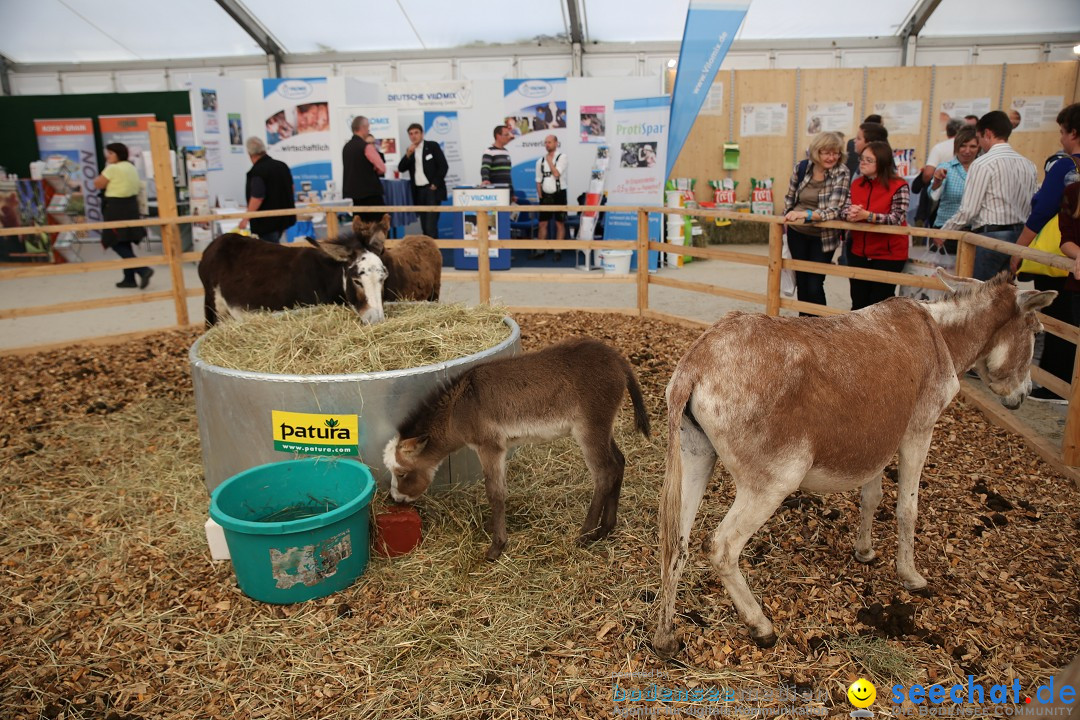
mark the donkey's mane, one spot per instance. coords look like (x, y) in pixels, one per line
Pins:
(419, 421)
(1002, 278)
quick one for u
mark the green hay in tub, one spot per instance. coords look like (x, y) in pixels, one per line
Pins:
(299, 511)
(331, 340)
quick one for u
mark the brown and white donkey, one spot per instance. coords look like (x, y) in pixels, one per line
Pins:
(572, 388)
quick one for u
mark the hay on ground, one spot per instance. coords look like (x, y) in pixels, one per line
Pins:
(331, 339)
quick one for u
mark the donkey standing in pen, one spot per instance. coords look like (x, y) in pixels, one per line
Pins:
(575, 388)
(823, 404)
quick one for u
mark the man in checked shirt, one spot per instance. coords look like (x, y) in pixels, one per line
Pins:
(997, 196)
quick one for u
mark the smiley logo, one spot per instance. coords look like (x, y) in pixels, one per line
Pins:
(862, 693)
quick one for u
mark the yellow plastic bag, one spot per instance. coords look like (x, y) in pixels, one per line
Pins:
(1048, 240)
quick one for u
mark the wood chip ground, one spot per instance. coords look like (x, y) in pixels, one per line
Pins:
(110, 606)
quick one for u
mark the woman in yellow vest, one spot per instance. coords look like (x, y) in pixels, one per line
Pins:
(120, 181)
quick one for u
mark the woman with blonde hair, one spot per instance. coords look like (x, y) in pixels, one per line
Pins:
(818, 192)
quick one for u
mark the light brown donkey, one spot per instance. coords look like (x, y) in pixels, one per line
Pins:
(823, 404)
(573, 388)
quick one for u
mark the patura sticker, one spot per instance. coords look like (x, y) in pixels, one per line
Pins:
(316, 433)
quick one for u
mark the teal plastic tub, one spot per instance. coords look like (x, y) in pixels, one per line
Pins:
(297, 529)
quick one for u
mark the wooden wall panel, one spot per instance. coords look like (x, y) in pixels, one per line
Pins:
(765, 156)
(1034, 80)
(702, 158)
(827, 86)
(899, 84)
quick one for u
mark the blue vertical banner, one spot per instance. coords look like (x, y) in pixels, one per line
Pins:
(710, 29)
(638, 131)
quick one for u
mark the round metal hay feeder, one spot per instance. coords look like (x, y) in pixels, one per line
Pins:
(234, 409)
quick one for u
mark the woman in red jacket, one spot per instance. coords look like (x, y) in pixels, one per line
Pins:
(878, 196)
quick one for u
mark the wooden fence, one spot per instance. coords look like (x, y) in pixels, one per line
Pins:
(1065, 459)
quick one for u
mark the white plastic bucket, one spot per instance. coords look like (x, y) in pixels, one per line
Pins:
(616, 261)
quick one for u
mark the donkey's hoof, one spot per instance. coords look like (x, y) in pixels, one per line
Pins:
(924, 591)
(865, 557)
(764, 641)
(593, 535)
(666, 647)
(915, 585)
(494, 552)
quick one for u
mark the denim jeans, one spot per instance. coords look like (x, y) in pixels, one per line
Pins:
(273, 237)
(126, 251)
(989, 263)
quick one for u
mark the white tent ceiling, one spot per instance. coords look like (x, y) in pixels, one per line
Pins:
(88, 31)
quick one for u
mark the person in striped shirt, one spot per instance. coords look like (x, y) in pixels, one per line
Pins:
(997, 196)
(495, 165)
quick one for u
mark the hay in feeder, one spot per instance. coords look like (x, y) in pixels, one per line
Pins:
(331, 340)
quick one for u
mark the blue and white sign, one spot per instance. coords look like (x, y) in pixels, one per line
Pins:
(296, 113)
(535, 108)
(710, 29)
(638, 134)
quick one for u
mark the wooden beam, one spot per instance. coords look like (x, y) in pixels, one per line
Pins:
(992, 408)
(642, 260)
(711, 254)
(92, 304)
(166, 197)
(776, 249)
(483, 261)
(744, 295)
(102, 341)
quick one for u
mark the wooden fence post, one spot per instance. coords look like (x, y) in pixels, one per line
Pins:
(776, 249)
(1070, 440)
(642, 261)
(965, 259)
(332, 228)
(483, 261)
(170, 233)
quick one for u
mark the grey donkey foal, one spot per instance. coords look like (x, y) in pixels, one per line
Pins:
(572, 388)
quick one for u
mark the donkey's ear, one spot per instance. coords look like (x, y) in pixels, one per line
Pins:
(955, 282)
(1032, 300)
(385, 223)
(336, 249)
(411, 447)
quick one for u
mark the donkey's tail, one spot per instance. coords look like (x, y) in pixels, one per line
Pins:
(670, 521)
(641, 416)
(678, 395)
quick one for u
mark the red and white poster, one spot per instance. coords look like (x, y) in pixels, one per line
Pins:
(133, 131)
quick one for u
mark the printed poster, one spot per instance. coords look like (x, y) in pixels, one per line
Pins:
(67, 147)
(830, 117)
(213, 155)
(904, 160)
(133, 131)
(968, 106)
(427, 95)
(1037, 112)
(210, 110)
(637, 165)
(714, 100)
(535, 108)
(185, 130)
(297, 120)
(442, 127)
(236, 133)
(901, 117)
(384, 128)
(764, 119)
(593, 119)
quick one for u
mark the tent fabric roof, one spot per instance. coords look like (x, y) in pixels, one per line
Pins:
(59, 31)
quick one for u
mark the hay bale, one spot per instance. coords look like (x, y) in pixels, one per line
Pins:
(736, 233)
(331, 340)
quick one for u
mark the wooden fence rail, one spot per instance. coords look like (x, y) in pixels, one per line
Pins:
(1065, 458)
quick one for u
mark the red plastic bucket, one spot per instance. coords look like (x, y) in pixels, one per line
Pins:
(397, 530)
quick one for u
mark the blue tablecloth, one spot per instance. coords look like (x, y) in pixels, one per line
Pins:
(398, 192)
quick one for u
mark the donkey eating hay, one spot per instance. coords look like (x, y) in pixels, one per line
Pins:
(575, 387)
(823, 404)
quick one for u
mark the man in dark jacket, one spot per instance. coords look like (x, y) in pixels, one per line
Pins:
(269, 187)
(362, 167)
(426, 164)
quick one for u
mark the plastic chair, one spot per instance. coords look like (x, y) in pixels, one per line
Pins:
(527, 222)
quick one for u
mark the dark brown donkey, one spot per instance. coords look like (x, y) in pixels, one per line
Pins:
(572, 388)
